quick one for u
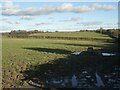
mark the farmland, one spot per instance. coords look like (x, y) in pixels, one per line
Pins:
(20, 54)
(73, 34)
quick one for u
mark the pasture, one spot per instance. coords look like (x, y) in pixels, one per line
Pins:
(73, 34)
(20, 54)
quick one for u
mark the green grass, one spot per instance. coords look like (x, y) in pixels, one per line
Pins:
(74, 34)
(20, 54)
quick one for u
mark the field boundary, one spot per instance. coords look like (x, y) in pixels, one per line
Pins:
(64, 38)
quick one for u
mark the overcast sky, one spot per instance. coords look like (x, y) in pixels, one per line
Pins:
(61, 16)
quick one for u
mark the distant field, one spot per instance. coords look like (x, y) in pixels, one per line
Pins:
(19, 54)
(74, 34)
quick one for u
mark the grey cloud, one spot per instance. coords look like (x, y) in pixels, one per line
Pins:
(67, 7)
(38, 24)
(17, 22)
(12, 22)
(72, 19)
(26, 17)
(90, 23)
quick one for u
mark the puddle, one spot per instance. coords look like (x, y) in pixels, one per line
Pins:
(108, 54)
(84, 79)
(80, 80)
(76, 53)
(99, 81)
(74, 81)
(103, 54)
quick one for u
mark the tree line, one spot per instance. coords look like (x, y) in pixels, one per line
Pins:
(18, 33)
(113, 33)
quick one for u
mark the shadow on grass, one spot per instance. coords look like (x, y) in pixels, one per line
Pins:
(50, 50)
(72, 64)
(111, 47)
(83, 45)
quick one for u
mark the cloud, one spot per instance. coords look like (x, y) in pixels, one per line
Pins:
(11, 21)
(110, 23)
(75, 18)
(9, 5)
(10, 9)
(104, 7)
(72, 19)
(38, 24)
(4, 18)
(17, 22)
(50, 18)
(26, 17)
(8, 20)
(5, 28)
(90, 23)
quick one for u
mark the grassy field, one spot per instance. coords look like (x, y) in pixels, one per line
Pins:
(21, 54)
(74, 34)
